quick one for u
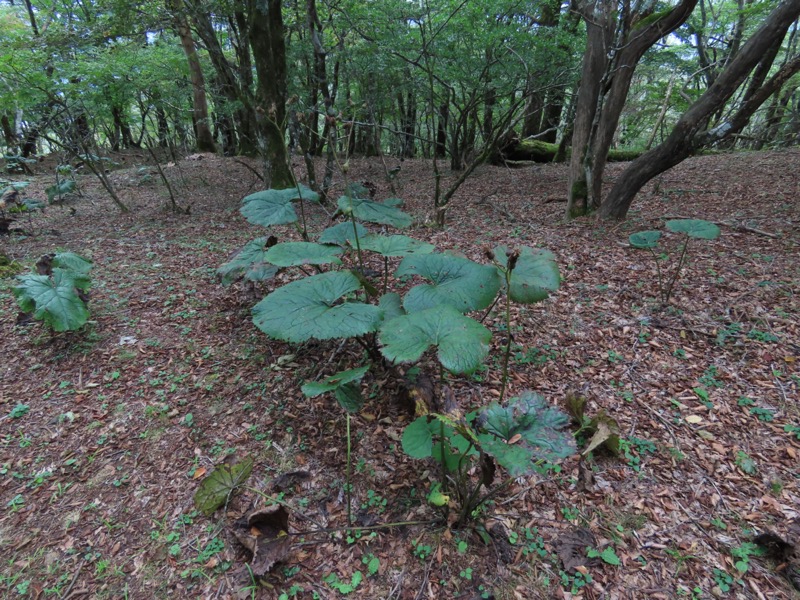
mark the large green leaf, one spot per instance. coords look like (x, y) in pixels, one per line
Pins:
(290, 254)
(215, 489)
(391, 305)
(329, 384)
(343, 234)
(311, 309)
(374, 212)
(462, 343)
(459, 282)
(696, 228)
(417, 439)
(53, 300)
(539, 425)
(249, 262)
(349, 397)
(66, 186)
(396, 245)
(645, 239)
(534, 276)
(77, 266)
(274, 207)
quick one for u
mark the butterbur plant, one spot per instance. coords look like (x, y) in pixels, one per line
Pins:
(523, 437)
(57, 293)
(690, 228)
(342, 294)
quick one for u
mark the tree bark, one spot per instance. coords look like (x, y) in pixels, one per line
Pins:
(600, 106)
(690, 133)
(205, 141)
(265, 28)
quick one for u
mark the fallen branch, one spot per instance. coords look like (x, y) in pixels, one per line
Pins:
(487, 201)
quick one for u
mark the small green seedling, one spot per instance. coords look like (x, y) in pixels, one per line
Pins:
(690, 228)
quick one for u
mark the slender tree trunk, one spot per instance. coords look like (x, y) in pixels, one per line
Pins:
(205, 141)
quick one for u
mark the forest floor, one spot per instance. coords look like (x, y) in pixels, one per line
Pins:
(106, 434)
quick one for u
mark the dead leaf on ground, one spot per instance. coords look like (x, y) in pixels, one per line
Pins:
(264, 534)
(571, 549)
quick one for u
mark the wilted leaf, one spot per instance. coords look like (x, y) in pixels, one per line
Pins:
(264, 534)
(215, 489)
(606, 431)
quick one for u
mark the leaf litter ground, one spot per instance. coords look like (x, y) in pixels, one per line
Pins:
(121, 421)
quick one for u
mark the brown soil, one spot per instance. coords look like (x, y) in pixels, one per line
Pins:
(171, 378)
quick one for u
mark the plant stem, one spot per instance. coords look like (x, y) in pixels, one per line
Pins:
(507, 353)
(677, 270)
(660, 278)
(347, 488)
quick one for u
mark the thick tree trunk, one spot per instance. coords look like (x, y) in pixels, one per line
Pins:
(594, 66)
(265, 27)
(600, 104)
(690, 133)
(205, 141)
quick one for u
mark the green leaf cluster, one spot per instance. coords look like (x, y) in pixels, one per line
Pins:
(57, 298)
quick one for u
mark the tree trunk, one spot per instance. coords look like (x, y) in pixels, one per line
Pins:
(605, 82)
(690, 133)
(265, 27)
(205, 141)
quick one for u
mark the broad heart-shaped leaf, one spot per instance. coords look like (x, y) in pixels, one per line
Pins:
(310, 309)
(250, 263)
(274, 207)
(342, 233)
(374, 212)
(357, 190)
(645, 239)
(534, 276)
(417, 439)
(215, 489)
(459, 282)
(462, 343)
(395, 245)
(53, 300)
(77, 266)
(349, 397)
(537, 423)
(66, 186)
(290, 254)
(696, 228)
(329, 384)
(391, 305)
